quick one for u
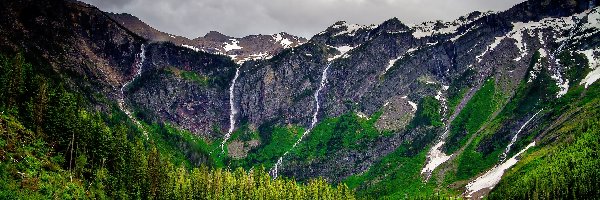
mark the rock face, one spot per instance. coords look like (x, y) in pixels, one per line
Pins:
(373, 66)
(98, 56)
(385, 68)
(252, 47)
(184, 87)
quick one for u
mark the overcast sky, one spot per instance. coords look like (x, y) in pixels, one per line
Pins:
(193, 18)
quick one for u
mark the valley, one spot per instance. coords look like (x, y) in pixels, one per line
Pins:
(492, 105)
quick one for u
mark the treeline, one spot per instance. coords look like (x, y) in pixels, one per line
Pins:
(53, 147)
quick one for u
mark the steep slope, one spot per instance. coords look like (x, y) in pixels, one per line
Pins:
(393, 110)
(99, 57)
(53, 147)
(471, 66)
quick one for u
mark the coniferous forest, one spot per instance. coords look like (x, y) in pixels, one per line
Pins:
(501, 104)
(52, 147)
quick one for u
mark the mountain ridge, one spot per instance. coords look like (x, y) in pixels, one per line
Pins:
(239, 49)
(390, 110)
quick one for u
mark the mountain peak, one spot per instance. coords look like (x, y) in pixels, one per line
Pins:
(393, 25)
(215, 35)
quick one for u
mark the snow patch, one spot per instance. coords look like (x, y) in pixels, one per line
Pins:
(432, 28)
(453, 39)
(563, 84)
(518, 36)
(231, 46)
(543, 53)
(391, 64)
(594, 75)
(412, 49)
(350, 29)
(413, 104)
(191, 47)
(438, 96)
(592, 24)
(493, 176)
(362, 115)
(343, 50)
(521, 28)
(490, 48)
(435, 158)
(284, 42)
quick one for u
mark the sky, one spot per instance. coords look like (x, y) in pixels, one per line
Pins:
(238, 18)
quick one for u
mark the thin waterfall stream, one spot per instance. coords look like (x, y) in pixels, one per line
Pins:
(232, 110)
(140, 58)
(274, 169)
(514, 138)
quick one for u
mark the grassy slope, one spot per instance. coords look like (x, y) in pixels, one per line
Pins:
(565, 164)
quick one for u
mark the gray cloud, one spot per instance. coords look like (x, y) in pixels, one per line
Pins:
(193, 18)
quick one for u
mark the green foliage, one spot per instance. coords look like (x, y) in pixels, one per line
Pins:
(279, 141)
(472, 162)
(566, 168)
(535, 92)
(474, 114)
(244, 133)
(428, 113)
(576, 64)
(396, 176)
(183, 147)
(458, 88)
(348, 131)
(52, 147)
(190, 76)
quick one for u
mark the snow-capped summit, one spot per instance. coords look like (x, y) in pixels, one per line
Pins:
(250, 47)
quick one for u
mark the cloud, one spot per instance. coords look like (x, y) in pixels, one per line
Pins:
(193, 18)
(109, 4)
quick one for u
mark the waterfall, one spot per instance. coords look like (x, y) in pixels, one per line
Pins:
(514, 138)
(139, 64)
(493, 176)
(140, 57)
(314, 121)
(232, 110)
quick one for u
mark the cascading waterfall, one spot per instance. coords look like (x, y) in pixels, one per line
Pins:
(232, 110)
(140, 57)
(493, 176)
(273, 170)
(514, 138)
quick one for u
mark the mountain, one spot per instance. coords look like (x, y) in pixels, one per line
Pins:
(250, 47)
(502, 105)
